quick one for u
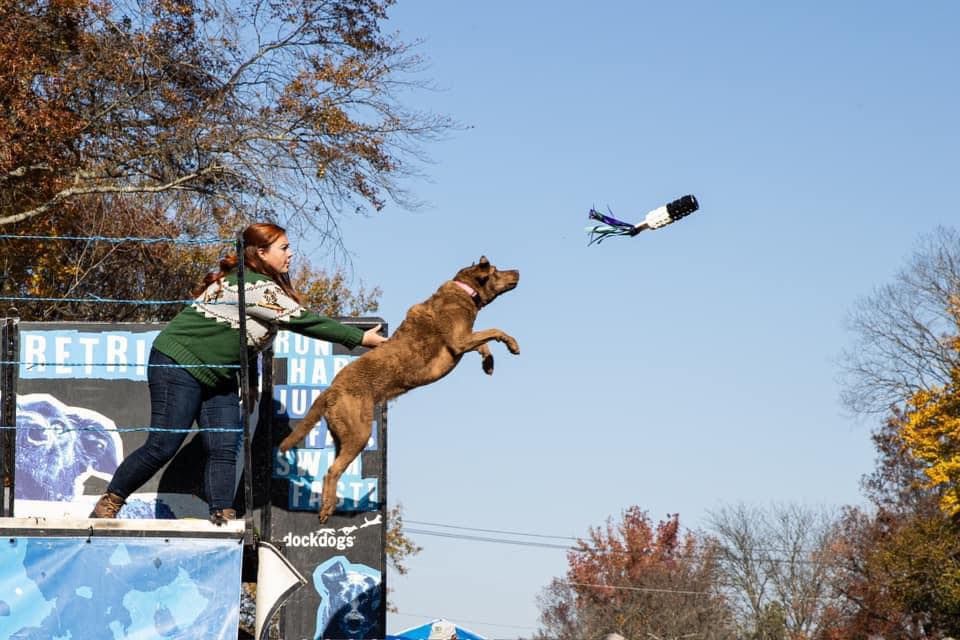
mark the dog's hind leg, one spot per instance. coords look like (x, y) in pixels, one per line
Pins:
(350, 422)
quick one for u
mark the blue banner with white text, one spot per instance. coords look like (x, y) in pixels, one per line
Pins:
(343, 558)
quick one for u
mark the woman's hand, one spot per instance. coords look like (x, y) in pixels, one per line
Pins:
(372, 337)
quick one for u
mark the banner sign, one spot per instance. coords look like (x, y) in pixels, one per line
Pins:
(83, 405)
(124, 584)
(343, 560)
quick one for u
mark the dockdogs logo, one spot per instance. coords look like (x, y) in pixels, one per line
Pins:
(328, 538)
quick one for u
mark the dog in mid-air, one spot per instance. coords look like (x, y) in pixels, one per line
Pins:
(426, 346)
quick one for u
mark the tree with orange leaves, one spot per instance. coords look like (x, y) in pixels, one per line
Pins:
(897, 575)
(898, 563)
(39, 127)
(189, 118)
(285, 110)
(50, 279)
(639, 580)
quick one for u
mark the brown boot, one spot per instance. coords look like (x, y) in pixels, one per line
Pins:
(107, 506)
(220, 516)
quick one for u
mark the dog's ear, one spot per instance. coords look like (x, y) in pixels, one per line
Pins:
(482, 272)
(334, 575)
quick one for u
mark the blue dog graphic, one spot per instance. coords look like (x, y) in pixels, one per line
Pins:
(59, 446)
(349, 599)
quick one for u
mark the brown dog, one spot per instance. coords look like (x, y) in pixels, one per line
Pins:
(426, 346)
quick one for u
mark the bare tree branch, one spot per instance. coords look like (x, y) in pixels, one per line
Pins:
(902, 330)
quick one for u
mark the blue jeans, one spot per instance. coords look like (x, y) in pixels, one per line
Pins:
(177, 399)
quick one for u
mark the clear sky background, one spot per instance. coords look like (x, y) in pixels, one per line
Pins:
(685, 369)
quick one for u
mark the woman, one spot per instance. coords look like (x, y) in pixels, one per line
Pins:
(188, 378)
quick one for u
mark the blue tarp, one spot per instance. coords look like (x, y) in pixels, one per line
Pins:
(113, 587)
(423, 632)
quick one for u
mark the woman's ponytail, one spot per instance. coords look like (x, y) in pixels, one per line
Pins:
(227, 264)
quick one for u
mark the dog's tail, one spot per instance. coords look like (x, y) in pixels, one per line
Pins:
(317, 410)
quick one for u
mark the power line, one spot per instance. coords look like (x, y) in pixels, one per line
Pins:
(557, 537)
(512, 533)
(500, 540)
(460, 536)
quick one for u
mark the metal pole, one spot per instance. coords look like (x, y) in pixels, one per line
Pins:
(8, 410)
(265, 423)
(381, 413)
(244, 392)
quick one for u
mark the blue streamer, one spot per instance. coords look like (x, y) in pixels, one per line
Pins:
(610, 227)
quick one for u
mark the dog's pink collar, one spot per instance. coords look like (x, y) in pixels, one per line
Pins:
(470, 292)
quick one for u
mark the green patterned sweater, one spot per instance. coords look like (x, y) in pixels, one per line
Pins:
(206, 332)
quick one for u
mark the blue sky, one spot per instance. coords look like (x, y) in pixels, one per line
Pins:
(684, 369)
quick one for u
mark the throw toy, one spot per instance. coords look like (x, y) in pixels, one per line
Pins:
(659, 217)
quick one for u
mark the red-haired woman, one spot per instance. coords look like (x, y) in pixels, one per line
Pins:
(204, 336)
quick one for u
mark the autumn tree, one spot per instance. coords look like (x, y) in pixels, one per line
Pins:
(899, 561)
(332, 294)
(898, 574)
(188, 119)
(775, 567)
(909, 334)
(49, 279)
(399, 547)
(286, 109)
(929, 428)
(896, 562)
(903, 566)
(37, 123)
(639, 580)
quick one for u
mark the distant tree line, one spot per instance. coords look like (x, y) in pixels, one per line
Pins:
(784, 572)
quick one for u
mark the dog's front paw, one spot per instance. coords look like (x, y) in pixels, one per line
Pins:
(512, 345)
(286, 444)
(488, 364)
